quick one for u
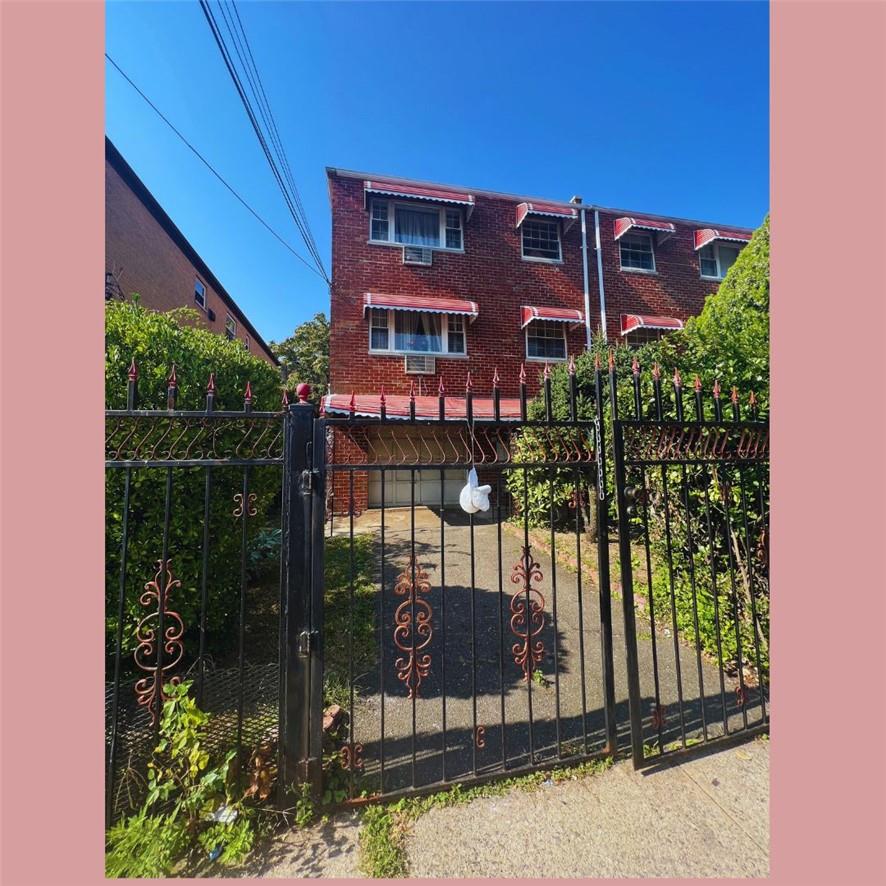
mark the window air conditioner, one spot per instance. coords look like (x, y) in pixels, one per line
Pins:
(419, 364)
(417, 255)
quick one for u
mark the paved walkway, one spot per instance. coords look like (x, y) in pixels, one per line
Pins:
(706, 817)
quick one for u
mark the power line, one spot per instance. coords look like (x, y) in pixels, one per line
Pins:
(287, 187)
(212, 169)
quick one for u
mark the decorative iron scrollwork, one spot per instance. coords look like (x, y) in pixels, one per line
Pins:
(480, 736)
(413, 638)
(527, 626)
(659, 717)
(741, 696)
(250, 505)
(351, 760)
(662, 442)
(148, 688)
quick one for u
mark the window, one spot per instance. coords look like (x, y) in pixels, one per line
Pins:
(378, 340)
(546, 340)
(412, 225)
(716, 259)
(416, 332)
(200, 294)
(638, 337)
(246, 342)
(541, 239)
(637, 253)
(230, 327)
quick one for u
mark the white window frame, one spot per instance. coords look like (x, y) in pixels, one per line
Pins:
(441, 211)
(202, 285)
(559, 228)
(529, 359)
(651, 239)
(230, 327)
(444, 335)
(715, 245)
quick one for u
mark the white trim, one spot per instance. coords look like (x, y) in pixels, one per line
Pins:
(562, 359)
(400, 352)
(651, 270)
(441, 210)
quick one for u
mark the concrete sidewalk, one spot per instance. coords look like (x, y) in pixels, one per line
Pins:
(707, 816)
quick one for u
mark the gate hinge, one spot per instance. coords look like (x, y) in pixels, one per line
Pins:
(306, 642)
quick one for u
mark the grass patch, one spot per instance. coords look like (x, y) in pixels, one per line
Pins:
(385, 827)
(348, 568)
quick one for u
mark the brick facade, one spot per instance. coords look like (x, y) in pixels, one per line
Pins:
(491, 272)
(146, 253)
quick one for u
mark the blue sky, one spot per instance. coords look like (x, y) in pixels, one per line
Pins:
(657, 107)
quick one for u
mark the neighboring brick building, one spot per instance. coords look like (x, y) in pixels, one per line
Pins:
(431, 281)
(146, 253)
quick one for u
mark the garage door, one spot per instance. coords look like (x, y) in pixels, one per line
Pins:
(398, 487)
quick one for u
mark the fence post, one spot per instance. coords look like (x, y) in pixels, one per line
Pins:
(299, 639)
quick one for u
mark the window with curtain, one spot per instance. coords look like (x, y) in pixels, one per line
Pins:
(416, 332)
(416, 225)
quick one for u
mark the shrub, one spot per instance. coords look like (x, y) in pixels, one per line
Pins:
(155, 341)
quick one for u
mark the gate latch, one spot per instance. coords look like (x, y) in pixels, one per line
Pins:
(306, 641)
(306, 481)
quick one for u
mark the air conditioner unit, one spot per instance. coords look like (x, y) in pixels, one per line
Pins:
(419, 364)
(417, 255)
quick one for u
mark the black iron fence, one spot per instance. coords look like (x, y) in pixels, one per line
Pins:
(318, 580)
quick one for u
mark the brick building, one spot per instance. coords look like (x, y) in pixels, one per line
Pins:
(432, 281)
(146, 253)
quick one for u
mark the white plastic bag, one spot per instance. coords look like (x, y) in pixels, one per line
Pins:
(473, 497)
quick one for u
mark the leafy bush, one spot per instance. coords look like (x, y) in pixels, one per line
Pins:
(155, 341)
(190, 815)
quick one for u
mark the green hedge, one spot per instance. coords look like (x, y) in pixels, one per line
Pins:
(156, 340)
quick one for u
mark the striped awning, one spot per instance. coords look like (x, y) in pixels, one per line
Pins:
(528, 313)
(419, 192)
(623, 225)
(565, 214)
(633, 322)
(704, 236)
(420, 303)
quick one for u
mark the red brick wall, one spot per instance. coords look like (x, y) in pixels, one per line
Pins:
(146, 260)
(675, 289)
(492, 273)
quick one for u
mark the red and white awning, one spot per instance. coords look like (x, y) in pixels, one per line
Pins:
(565, 214)
(397, 406)
(420, 303)
(528, 313)
(633, 322)
(419, 192)
(663, 228)
(704, 236)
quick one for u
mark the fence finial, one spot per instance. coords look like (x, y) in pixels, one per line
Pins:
(412, 389)
(697, 385)
(210, 385)
(303, 391)
(734, 395)
(381, 396)
(133, 371)
(469, 384)
(547, 372)
(284, 400)
(717, 388)
(441, 389)
(611, 360)
(752, 400)
(352, 406)
(678, 381)
(597, 362)
(247, 394)
(656, 371)
(495, 378)
(635, 365)
(172, 380)
(522, 373)
(571, 367)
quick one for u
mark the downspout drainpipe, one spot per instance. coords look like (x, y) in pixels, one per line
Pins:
(599, 278)
(584, 267)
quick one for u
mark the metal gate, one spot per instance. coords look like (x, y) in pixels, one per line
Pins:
(400, 649)
(693, 521)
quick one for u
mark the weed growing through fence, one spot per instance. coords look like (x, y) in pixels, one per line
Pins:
(384, 831)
